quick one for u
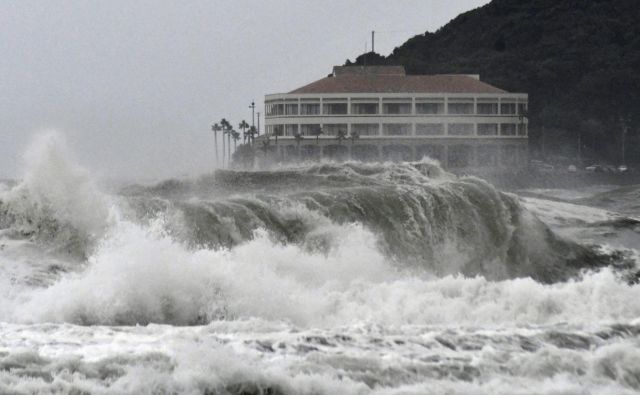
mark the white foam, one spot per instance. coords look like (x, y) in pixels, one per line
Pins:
(228, 356)
(142, 275)
(55, 187)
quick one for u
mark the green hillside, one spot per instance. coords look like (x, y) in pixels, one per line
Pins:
(579, 61)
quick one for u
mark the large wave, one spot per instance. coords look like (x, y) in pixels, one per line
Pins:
(324, 244)
(423, 217)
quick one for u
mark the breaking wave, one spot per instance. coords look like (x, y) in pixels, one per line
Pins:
(56, 203)
(323, 244)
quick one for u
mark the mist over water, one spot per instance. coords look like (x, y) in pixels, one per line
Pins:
(317, 278)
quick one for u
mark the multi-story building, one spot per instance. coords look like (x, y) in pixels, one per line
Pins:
(381, 113)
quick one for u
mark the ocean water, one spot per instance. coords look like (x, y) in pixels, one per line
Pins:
(314, 279)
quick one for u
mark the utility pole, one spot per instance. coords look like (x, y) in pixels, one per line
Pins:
(258, 123)
(373, 41)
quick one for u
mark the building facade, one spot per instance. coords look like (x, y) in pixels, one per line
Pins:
(381, 113)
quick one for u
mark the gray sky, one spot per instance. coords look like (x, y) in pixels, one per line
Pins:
(134, 85)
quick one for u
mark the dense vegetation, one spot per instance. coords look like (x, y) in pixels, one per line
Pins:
(578, 60)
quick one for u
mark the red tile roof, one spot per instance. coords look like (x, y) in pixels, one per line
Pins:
(391, 79)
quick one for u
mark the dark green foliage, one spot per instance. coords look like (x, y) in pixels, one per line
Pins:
(578, 60)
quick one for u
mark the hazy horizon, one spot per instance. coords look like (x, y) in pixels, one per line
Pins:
(135, 87)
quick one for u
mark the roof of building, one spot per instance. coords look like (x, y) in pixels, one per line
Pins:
(393, 79)
(385, 70)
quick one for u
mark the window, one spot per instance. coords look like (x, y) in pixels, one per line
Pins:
(278, 130)
(291, 109)
(522, 129)
(429, 108)
(460, 129)
(364, 108)
(396, 129)
(334, 108)
(290, 130)
(429, 129)
(487, 129)
(333, 129)
(508, 108)
(274, 109)
(522, 108)
(310, 109)
(461, 106)
(365, 129)
(309, 129)
(396, 108)
(508, 129)
(488, 108)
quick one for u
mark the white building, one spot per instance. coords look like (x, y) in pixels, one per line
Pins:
(389, 115)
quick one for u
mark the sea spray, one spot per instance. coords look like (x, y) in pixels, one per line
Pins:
(56, 202)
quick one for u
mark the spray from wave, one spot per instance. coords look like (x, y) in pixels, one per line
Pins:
(56, 203)
(340, 243)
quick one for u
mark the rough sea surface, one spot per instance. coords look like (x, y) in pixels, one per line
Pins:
(314, 279)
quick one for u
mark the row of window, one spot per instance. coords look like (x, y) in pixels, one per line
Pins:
(462, 107)
(402, 129)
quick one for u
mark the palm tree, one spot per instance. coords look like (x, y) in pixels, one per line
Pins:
(341, 136)
(225, 127)
(216, 128)
(252, 133)
(225, 132)
(235, 136)
(245, 136)
(229, 133)
(243, 125)
(317, 132)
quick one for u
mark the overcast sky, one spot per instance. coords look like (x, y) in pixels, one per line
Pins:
(135, 85)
